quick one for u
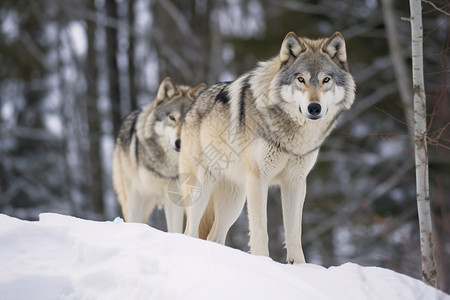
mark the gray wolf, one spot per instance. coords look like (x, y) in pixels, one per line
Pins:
(265, 128)
(146, 154)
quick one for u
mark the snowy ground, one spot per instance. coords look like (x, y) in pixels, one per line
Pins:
(61, 257)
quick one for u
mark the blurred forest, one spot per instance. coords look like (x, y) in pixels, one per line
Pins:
(72, 70)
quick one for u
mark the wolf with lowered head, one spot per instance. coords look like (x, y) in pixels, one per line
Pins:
(145, 158)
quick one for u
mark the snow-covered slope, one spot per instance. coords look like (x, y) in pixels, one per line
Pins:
(61, 257)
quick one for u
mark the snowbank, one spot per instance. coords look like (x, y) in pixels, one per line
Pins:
(61, 257)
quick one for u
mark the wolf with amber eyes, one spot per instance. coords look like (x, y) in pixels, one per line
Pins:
(265, 128)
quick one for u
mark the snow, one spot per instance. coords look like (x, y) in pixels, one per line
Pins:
(62, 257)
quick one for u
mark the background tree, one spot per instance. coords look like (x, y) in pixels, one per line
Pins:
(93, 116)
(113, 69)
(420, 142)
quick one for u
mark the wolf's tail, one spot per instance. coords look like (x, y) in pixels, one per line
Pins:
(207, 220)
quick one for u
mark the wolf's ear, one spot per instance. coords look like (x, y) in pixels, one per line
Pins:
(335, 48)
(291, 48)
(167, 89)
(196, 91)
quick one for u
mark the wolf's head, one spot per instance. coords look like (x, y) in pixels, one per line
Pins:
(314, 74)
(171, 105)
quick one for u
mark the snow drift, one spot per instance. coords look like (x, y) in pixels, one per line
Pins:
(61, 257)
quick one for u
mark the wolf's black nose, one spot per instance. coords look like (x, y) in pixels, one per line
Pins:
(178, 144)
(314, 109)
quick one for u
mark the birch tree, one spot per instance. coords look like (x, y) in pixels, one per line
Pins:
(420, 145)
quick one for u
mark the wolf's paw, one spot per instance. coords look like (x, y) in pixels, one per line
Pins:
(296, 259)
(291, 262)
(259, 248)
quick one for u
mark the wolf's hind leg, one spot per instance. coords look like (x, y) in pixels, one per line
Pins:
(229, 200)
(196, 204)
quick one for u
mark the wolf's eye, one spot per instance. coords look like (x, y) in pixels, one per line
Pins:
(301, 79)
(326, 79)
(172, 118)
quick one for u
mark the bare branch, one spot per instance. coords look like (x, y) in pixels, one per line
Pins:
(353, 206)
(367, 102)
(172, 56)
(28, 133)
(32, 48)
(372, 69)
(437, 8)
(100, 18)
(179, 20)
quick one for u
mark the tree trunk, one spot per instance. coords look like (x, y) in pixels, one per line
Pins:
(420, 143)
(398, 64)
(66, 133)
(96, 171)
(113, 69)
(216, 44)
(130, 54)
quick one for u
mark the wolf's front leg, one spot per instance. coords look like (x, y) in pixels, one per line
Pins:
(174, 216)
(257, 214)
(292, 198)
(139, 207)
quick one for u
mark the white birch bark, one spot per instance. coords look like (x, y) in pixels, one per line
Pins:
(420, 144)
